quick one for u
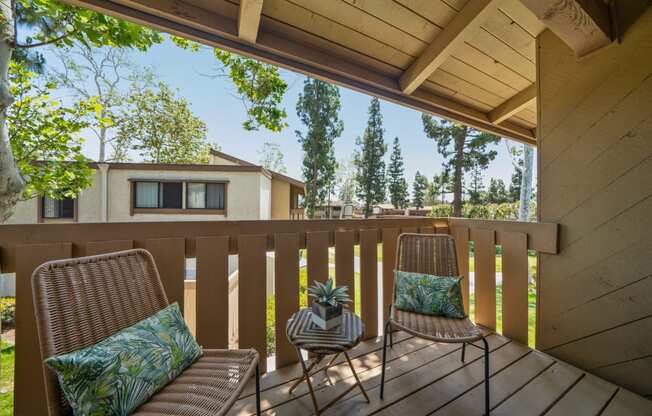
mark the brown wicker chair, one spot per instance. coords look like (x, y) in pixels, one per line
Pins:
(432, 254)
(79, 302)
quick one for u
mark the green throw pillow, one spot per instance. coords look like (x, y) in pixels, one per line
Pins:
(118, 374)
(428, 294)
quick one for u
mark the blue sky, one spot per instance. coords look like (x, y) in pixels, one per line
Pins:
(214, 101)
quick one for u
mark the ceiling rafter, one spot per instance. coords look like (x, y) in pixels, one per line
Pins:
(249, 15)
(463, 27)
(513, 105)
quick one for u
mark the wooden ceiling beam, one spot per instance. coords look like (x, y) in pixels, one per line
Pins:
(277, 48)
(249, 19)
(463, 27)
(513, 105)
(584, 25)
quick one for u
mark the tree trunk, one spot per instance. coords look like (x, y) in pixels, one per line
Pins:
(11, 181)
(457, 173)
(526, 184)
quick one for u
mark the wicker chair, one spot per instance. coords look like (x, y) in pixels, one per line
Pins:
(79, 302)
(432, 254)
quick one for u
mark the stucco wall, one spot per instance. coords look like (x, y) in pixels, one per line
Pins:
(88, 207)
(280, 200)
(242, 196)
(216, 160)
(265, 197)
(595, 179)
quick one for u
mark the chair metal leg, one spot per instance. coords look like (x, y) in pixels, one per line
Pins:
(486, 377)
(463, 350)
(382, 374)
(257, 390)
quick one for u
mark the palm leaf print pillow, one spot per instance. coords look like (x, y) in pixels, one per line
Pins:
(428, 294)
(118, 374)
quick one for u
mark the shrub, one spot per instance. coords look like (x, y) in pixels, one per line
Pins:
(504, 211)
(8, 311)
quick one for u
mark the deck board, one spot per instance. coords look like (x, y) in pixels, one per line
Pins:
(425, 378)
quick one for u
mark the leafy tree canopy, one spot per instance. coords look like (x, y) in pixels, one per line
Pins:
(44, 130)
(398, 187)
(271, 157)
(318, 109)
(370, 176)
(161, 128)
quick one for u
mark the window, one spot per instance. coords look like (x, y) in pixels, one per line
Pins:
(205, 195)
(58, 208)
(158, 195)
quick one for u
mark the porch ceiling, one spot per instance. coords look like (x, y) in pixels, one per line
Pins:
(472, 62)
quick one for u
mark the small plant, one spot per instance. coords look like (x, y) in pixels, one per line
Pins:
(329, 294)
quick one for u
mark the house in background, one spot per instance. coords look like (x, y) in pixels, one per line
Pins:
(225, 188)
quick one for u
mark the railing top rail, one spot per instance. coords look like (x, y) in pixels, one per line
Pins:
(542, 236)
(79, 234)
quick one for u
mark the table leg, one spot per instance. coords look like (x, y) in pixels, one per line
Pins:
(314, 361)
(306, 375)
(357, 380)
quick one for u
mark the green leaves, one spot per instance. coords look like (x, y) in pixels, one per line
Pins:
(161, 128)
(327, 293)
(318, 109)
(44, 137)
(369, 160)
(398, 187)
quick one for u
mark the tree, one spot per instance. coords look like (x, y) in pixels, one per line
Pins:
(49, 22)
(106, 68)
(497, 194)
(162, 128)
(370, 175)
(43, 130)
(462, 148)
(318, 109)
(397, 185)
(476, 186)
(419, 187)
(346, 181)
(526, 184)
(271, 157)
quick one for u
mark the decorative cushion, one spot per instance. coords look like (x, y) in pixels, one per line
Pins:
(428, 294)
(119, 373)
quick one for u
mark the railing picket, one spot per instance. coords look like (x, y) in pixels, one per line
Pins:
(170, 257)
(317, 243)
(485, 277)
(94, 248)
(427, 230)
(212, 291)
(252, 294)
(461, 235)
(369, 281)
(29, 388)
(344, 263)
(286, 275)
(515, 279)
(390, 236)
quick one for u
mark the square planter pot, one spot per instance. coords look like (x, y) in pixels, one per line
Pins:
(326, 316)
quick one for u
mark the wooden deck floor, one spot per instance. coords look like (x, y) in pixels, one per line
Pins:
(425, 378)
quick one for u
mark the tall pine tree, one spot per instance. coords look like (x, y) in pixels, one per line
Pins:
(398, 187)
(318, 109)
(370, 175)
(475, 190)
(419, 187)
(462, 148)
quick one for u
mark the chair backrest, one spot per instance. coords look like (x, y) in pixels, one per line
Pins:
(427, 253)
(79, 302)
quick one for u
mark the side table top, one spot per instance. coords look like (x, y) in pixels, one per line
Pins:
(304, 334)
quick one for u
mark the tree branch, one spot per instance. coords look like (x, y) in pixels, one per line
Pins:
(47, 42)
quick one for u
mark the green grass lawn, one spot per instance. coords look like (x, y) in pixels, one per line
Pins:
(531, 260)
(7, 355)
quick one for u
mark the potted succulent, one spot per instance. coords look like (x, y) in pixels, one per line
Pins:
(327, 306)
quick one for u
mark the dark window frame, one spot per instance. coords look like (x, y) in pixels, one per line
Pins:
(159, 188)
(41, 217)
(206, 183)
(133, 209)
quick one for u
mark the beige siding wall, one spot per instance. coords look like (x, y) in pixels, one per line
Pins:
(242, 194)
(280, 200)
(88, 207)
(265, 197)
(216, 160)
(595, 179)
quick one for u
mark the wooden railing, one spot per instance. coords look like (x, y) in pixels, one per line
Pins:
(297, 214)
(24, 247)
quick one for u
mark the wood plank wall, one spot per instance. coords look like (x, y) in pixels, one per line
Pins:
(595, 179)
